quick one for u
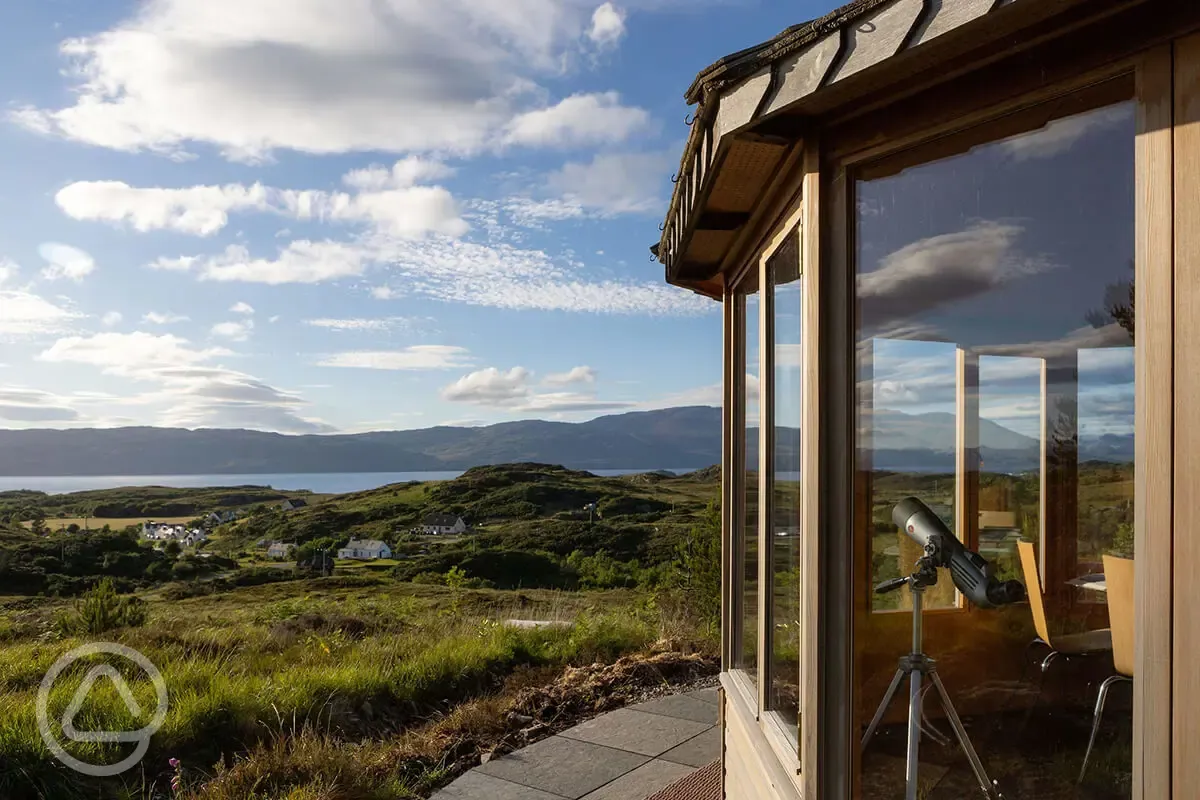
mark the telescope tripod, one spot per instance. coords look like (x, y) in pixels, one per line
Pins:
(916, 665)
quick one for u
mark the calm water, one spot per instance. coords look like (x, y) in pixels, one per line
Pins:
(320, 482)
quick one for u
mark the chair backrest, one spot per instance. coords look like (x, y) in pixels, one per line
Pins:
(1033, 588)
(1118, 579)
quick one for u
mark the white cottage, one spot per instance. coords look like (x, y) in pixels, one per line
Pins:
(443, 524)
(280, 549)
(365, 549)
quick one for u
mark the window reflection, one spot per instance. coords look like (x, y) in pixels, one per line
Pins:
(749, 590)
(783, 275)
(995, 381)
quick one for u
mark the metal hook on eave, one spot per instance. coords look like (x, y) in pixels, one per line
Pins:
(675, 178)
(689, 120)
(662, 226)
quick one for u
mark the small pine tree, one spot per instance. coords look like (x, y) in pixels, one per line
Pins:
(698, 566)
(102, 609)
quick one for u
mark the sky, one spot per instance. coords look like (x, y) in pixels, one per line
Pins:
(314, 216)
(318, 216)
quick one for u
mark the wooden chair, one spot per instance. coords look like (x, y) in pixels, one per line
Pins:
(1067, 646)
(1118, 578)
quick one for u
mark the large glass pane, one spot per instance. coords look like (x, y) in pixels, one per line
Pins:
(783, 275)
(996, 383)
(749, 589)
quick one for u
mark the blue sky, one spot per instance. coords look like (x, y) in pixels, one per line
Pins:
(320, 215)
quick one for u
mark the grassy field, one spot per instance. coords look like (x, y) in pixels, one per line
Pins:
(262, 680)
(115, 523)
(365, 685)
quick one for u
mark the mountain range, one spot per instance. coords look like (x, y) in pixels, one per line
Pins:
(686, 437)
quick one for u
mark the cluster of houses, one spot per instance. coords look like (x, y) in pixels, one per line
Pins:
(166, 532)
(367, 549)
(357, 549)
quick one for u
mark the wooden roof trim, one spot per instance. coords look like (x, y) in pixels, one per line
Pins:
(801, 70)
(736, 66)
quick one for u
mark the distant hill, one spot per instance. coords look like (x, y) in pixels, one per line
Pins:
(676, 437)
(669, 438)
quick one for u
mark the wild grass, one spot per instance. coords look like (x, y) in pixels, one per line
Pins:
(348, 667)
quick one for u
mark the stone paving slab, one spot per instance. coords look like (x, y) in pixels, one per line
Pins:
(698, 751)
(706, 695)
(564, 766)
(680, 706)
(642, 782)
(477, 786)
(637, 732)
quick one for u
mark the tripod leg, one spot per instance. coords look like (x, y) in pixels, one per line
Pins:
(883, 707)
(985, 782)
(914, 733)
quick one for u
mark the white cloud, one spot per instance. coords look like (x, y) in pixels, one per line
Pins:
(943, 269)
(489, 387)
(499, 276)
(614, 183)
(199, 210)
(417, 357)
(529, 213)
(608, 25)
(578, 120)
(112, 318)
(362, 324)
(189, 389)
(20, 404)
(574, 375)
(241, 308)
(180, 264)
(8, 270)
(384, 292)
(236, 331)
(387, 200)
(23, 313)
(1061, 135)
(314, 76)
(512, 391)
(130, 355)
(162, 318)
(411, 232)
(64, 261)
(404, 173)
(301, 261)
(503, 276)
(411, 211)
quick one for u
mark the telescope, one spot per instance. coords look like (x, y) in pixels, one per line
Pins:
(972, 574)
(973, 577)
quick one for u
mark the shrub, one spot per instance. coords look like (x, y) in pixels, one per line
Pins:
(697, 570)
(102, 609)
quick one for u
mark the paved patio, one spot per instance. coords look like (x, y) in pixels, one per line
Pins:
(628, 754)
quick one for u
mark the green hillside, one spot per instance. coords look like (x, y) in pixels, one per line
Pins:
(529, 526)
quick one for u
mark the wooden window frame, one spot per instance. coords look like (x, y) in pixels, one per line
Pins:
(841, 585)
(754, 700)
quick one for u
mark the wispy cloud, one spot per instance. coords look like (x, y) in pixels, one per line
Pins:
(417, 357)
